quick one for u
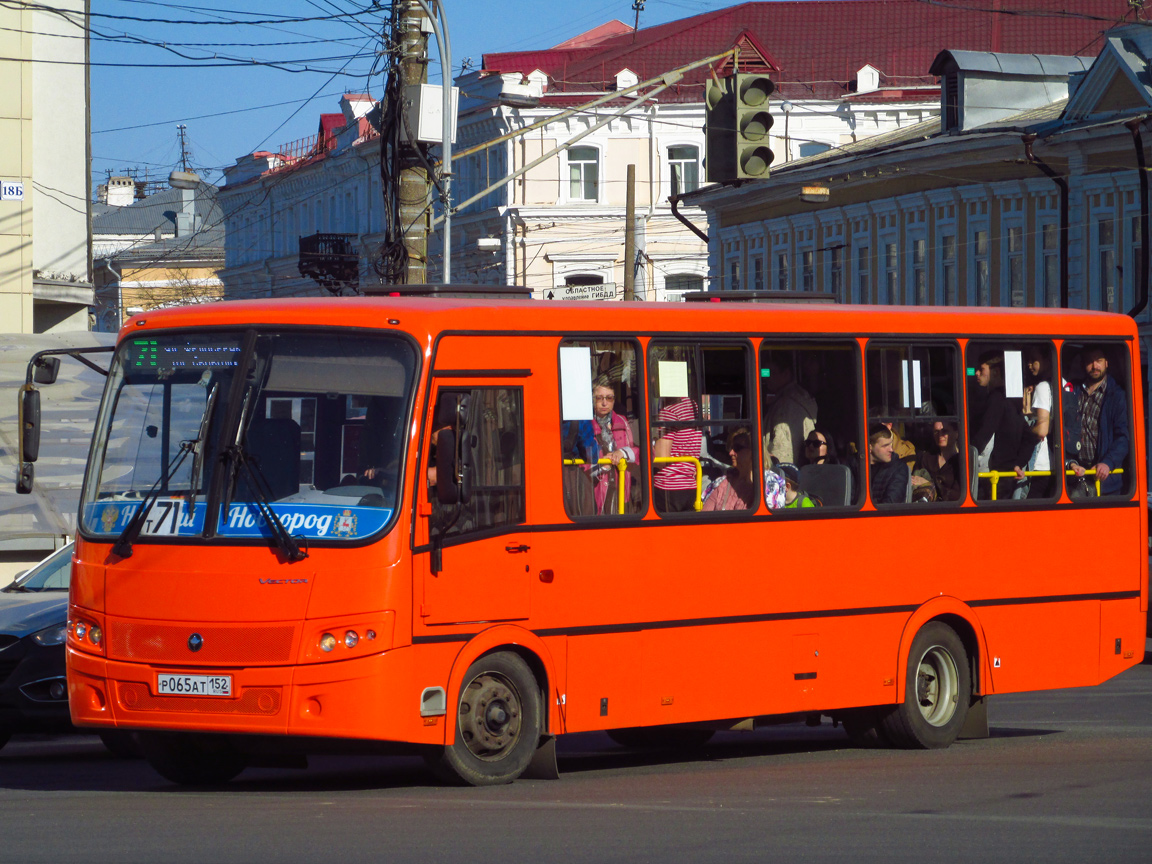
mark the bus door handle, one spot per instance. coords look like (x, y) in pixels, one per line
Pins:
(516, 549)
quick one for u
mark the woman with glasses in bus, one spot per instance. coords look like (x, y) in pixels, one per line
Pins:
(820, 448)
(936, 474)
(737, 489)
(611, 438)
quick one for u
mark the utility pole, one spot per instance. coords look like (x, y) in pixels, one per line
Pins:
(415, 188)
(630, 236)
(181, 131)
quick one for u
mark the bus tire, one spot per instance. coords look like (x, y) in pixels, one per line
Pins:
(937, 691)
(191, 759)
(661, 737)
(498, 723)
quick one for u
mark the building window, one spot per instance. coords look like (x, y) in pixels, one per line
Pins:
(836, 271)
(734, 275)
(1135, 244)
(807, 270)
(684, 161)
(783, 276)
(678, 284)
(948, 269)
(980, 282)
(919, 272)
(1016, 264)
(1050, 273)
(758, 273)
(583, 173)
(811, 148)
(863, 275)
(1106, 256)
(891, 274)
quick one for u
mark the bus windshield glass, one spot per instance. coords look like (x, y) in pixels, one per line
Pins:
(215, 427)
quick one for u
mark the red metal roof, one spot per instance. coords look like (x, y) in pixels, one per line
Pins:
(819, 45)
(596, 34)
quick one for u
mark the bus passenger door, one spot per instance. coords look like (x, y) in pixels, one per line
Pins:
(476, 569)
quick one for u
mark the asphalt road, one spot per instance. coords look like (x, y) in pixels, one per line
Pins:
(1066, 776)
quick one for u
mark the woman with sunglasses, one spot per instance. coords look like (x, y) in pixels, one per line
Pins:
(938, 468)
(820, 448)
(737, 489)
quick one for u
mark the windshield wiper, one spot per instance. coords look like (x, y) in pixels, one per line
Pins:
(199, 445)
(122, 548)
(292, 548)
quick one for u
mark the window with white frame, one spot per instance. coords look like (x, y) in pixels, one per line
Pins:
(684, 166)
(948, 276)
(1106, 262)
(806, 258)
(583, 174)
(861, 260)
(1049, 290)
(1014, 246)
(783, 272)
(888, 249)
(1135, 244)
(836, 271)
(979, 285)
(919, 263)
(758, 273)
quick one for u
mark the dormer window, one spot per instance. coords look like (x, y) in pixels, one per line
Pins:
(626, 78)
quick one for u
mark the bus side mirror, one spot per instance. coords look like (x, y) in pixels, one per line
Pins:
(47, 368)
(446, 491)
(25, 478)
(29, 424)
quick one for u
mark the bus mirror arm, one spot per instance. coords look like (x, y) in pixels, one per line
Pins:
(446, 489)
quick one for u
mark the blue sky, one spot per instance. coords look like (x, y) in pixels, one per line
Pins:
(141, 91)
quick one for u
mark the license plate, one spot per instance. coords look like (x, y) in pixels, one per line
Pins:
(194, 685)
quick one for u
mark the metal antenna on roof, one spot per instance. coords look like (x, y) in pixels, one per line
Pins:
(638, 7)
(181, 131)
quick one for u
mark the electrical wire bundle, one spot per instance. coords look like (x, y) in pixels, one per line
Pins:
(391, 261)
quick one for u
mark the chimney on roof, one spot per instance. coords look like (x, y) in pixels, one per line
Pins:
(119, 192)
(186, 182)
(355, 106)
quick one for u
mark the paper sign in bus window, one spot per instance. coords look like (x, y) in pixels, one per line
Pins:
(912, 397)
(576, 382)
(673, 379)
(1013, 374)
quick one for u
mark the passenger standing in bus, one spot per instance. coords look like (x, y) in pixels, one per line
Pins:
(789, 419)
(1038, 411)
(607, 436)
(675, 482)
(889, 480)
(1096, 423)
(737, 489)
(1002, 425)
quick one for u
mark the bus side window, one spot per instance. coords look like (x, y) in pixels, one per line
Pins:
(602, 457)
(487, 463)
(914, 450)
(812, 421)
(703, 434)
(1096, 419)
(1012, 419)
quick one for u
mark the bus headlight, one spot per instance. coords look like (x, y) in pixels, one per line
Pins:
(351, 638)
(327, 642)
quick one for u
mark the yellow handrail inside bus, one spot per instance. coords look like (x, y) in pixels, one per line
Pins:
(995, 476)
(698, 504)
(621, 467)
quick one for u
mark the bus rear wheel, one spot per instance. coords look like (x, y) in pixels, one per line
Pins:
(191, 759)
(937, 691)
(498, 723)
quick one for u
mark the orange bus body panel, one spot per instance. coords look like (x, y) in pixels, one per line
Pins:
(651, 622)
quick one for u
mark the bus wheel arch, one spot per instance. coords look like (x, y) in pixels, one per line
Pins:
(960, 617)
(937, 691)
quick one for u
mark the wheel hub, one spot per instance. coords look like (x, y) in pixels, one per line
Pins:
(490, 716)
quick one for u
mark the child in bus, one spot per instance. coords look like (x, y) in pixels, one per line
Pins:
(794, 496)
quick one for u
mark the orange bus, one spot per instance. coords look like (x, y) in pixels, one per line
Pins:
(469, 526)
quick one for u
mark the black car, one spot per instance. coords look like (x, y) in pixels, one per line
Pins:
(33, 615)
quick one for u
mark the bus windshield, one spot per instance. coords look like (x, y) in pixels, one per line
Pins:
(216, 426)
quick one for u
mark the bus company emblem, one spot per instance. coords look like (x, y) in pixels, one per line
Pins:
(108, 517)
(195, 642)
(346, 524)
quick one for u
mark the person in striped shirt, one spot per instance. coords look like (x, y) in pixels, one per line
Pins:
(675, 482)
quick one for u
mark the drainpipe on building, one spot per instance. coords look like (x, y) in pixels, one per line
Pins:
(1063, 185)
(1138, 140)
(674, 199)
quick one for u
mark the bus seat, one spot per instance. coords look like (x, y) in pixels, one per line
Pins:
(832, 484)
(275, 447)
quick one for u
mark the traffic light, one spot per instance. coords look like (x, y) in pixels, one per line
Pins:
(736, 127)
(719, 130)
(753, 123)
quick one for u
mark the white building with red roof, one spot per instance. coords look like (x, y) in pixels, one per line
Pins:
(844, 70)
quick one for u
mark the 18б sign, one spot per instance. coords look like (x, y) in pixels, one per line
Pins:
(11, 190)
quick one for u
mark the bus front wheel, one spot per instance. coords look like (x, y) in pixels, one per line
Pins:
(191, 759)
(937, 691)
(498, 723)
